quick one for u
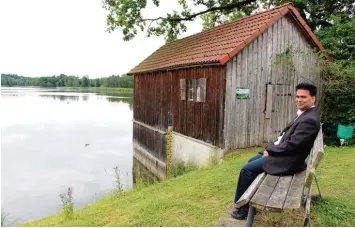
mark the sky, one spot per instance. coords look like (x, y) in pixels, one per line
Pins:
(50, 37)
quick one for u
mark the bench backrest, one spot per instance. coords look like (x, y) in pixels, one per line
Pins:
(315, 157)
(317, 152)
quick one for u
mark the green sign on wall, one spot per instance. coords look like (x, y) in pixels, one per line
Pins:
(243, 93)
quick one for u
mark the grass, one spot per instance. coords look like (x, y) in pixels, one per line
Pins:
(201, 198)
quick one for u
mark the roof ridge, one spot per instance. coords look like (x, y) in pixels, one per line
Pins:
(234, 21)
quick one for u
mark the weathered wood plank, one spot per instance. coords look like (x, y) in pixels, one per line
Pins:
(294, 195)
(262, 195)
(233, 105)
(255, 99)
(269, 54)
(249, 102)
(228, 111)
(242, 112)
(238, 123)
(279, 194)
(269, 101)
(248, 194)
(222, 95)
(275, 50)
(262, 87)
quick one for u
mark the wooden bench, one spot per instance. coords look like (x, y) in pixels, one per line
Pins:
(285, 194)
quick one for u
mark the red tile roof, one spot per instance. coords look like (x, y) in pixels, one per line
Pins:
(219, 44)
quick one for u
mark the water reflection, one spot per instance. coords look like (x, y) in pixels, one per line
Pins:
(85, 98)
(43, 148)
(128, 100)
(61, 97)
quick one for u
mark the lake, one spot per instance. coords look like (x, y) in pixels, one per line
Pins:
(52, 139)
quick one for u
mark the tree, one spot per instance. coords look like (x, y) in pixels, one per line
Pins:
(97, 82)
(126, 81)
(339, 40)
(126, 15)
(85, 81)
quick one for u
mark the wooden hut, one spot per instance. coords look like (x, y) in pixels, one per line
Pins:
(228, 87)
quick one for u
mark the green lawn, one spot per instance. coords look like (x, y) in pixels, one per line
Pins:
(201, 198)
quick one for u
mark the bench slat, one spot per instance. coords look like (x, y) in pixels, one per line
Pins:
(261, 197)
(251, 190)
(294, 195)
(278, 196)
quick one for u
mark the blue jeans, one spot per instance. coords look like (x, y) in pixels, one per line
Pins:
(248, 174)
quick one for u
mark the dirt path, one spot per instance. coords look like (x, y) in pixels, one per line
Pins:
(227, 221)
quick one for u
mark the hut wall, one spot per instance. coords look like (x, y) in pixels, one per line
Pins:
(251, 122)
(200, 120)
(152, 99)
(196, 125)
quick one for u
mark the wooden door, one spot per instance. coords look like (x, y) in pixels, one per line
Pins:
(279, 110)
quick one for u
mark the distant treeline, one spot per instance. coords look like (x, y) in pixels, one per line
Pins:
(115, 81)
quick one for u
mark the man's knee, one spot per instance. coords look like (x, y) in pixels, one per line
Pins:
(254, 158)
(246, 172)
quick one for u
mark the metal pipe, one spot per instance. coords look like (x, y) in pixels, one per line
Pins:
(251, 214)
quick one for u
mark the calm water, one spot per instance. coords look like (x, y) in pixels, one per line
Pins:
(52, 140)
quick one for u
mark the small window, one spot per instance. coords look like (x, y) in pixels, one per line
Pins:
(191, 85)
(201, 90)
(198, 90)
(183, 89)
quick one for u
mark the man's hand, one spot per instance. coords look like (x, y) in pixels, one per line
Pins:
(265, 153)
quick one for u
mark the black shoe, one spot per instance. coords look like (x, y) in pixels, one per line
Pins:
(240, 213)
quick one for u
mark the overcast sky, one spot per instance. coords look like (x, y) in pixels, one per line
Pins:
(49, 37)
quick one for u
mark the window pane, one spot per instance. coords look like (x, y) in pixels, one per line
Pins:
(198, 92)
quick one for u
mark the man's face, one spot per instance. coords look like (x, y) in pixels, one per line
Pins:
(304, 100)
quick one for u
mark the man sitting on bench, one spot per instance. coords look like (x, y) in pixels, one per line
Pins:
(287, 155)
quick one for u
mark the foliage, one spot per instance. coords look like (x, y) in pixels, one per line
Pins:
(67, 203)
(319, 13)
(118, 181)
(339, 76)
(181, 168)
(201, 198)
(123, 81)
(339, 40)
(128, 16)
(338, 108)
(213, 159)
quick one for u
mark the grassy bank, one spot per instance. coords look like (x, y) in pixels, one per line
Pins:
(201, 198)
(108, 90)
(99, 89)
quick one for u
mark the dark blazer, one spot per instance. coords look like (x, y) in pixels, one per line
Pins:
(289, 156)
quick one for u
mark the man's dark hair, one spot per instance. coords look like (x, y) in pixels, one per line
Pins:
(308, 86)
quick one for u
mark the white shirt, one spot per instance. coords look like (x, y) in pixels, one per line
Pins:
(299, 112)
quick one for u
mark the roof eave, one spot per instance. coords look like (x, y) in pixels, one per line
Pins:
(175, 67)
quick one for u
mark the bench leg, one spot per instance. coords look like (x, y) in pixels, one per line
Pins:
(251, 214)
(307, 222)
(307, 209)
(317, 196)
(287, 215)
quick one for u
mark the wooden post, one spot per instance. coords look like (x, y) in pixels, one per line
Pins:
(169, 151)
